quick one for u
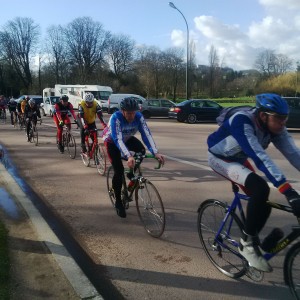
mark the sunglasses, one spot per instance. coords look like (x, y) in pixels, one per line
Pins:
(281, 118)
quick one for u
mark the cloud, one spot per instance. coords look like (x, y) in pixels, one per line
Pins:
(286, 4)
(178, 38)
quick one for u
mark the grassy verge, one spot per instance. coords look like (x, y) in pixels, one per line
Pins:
(4, 263)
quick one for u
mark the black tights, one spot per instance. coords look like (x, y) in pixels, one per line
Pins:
(133, 144)
(257, 210)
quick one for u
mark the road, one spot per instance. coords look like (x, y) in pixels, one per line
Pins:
(125, 261)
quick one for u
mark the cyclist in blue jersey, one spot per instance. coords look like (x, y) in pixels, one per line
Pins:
(246, 135)
(119, 140)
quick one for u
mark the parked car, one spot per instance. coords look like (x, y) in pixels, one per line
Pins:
(195, 110)
(294, 116)
(157, 108)
(47, 107)
(114, 101)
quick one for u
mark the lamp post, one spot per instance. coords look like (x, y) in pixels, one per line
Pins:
(187, 50)
(298, 67)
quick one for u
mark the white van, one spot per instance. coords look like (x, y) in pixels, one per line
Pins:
(113, 103)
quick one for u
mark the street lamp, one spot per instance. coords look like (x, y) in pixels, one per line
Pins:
(187, 50)
(298, 67)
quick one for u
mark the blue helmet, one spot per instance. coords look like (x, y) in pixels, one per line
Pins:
(272, 103)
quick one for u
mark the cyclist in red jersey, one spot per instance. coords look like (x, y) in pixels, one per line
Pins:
(60, 117)
(2, 104)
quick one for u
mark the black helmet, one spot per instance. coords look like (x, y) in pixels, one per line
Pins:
(129, 104)
(64, 98)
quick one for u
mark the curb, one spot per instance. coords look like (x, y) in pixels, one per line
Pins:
(78, 280)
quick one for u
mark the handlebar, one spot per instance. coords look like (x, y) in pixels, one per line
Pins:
(138, 156)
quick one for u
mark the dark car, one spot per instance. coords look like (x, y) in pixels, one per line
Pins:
(157, 108)
(294, 116)
(195, 110)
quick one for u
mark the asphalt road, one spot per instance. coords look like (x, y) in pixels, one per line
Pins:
(128, 263)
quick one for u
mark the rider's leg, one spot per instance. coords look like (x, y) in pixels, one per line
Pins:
(114, 156)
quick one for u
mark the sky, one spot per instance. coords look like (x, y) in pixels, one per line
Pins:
(238, 29)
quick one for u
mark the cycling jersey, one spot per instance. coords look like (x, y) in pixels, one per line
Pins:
(89, 113)
(12, 105)
(241, 137)
(119, 131)
(62, 111)
(30, 112)
(23, 104)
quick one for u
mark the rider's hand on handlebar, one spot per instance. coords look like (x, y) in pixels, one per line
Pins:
(61, 123)
(293, 199)
(160, 158)
(130, 162)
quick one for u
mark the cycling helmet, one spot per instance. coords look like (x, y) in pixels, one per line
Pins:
(31, 102)
(89, 97)
(64, 98)
(272, 103)
(129, 104)
(27, 98)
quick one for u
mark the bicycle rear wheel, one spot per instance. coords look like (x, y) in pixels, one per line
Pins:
(222, 250)
(150, 208)
(100, 159)
(291, 270)
(70, 143)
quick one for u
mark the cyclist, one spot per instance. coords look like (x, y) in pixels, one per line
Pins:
(60, 117)
(246, 135)
(2, 105)
(31, 112)
(119, 140)
(23, 103)
(88, 110)
(12, 107)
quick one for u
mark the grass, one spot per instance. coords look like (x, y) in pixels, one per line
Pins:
(4, 263)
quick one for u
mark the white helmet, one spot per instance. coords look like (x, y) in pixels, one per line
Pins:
(31, 102)
(89, 97)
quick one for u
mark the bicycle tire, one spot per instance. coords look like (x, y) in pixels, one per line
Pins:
(35, 135)
(100, 159)
(291, 270)
(223, 254)
(150, 208)
(70, 144)
(110, 190)
(86, 156)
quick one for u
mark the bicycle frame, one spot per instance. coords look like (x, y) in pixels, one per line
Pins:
(94, 137)
(236, 204)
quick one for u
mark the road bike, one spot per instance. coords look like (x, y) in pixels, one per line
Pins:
(33, 135)
(95, 151)
(21, 121)
(68, 141)
(148, 202)
(220, 227)
(14, 118)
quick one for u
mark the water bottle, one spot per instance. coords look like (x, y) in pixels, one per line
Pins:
(271, 240)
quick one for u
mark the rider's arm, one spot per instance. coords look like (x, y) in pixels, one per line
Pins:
(57, 112)
(100, 115)
(38, 113)
(81, 120)
(117, 135)
(146, 134)
(243, 131)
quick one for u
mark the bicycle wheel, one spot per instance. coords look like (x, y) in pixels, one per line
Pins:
(35, 135)
(100, 159)
(222, 250)
(111, 193)
(86, 157)
(291, 270)
(150, 208)
(70, 143)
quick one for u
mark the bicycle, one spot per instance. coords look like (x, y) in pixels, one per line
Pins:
(14, 119)
(68, 141)
(149, 204)
(220, 228)
(21, 121)
(95, 151)
(33, 135)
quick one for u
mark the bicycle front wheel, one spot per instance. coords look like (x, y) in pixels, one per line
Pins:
(71, 145)
(100, 159)
(291, 270)
(221, 249)
(150, 208)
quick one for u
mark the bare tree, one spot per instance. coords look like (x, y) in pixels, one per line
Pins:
(265, 62)
(283, 64)
(87, 44)
(213, 60)
(121, 53)
(57, 50)
(19, 40)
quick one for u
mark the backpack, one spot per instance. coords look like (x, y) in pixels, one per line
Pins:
(227, 112)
